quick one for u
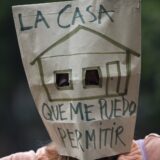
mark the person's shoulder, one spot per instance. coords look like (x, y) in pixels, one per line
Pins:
(28, 155)
(152, 146)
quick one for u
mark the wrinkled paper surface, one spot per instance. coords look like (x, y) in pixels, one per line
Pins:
(63, 42)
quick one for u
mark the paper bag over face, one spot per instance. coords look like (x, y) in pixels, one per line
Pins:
(82, 61)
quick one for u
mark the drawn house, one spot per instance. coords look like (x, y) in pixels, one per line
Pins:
(84, 64)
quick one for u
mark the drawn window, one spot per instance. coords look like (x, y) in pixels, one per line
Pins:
(63, 79)
(92, 77)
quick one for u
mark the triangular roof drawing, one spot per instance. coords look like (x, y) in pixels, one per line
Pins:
(77, 29)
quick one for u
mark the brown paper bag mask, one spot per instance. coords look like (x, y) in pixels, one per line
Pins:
(82, 61)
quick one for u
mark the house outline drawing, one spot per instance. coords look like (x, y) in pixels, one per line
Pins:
(127, 51)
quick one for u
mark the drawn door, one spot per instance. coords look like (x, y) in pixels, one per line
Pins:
(113, 78)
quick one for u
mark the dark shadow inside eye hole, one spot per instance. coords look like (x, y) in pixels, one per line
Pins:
(62, 79)
(92, 77)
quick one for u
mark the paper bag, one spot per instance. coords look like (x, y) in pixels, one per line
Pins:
(82, 61)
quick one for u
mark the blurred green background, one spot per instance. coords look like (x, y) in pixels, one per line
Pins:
(20, 126)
